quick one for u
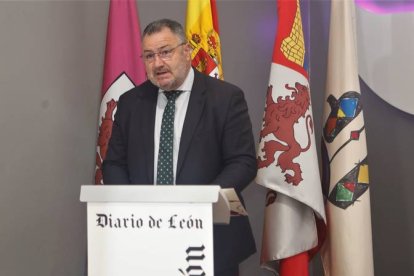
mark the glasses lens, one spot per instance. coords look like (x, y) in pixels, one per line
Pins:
(164, 54)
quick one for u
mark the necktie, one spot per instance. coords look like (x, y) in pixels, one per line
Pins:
(165, 174)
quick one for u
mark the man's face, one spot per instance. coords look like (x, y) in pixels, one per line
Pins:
(166, 59)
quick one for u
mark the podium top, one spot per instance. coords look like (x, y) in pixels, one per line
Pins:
(150, 193)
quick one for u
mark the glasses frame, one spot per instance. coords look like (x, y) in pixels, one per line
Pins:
(164, 54)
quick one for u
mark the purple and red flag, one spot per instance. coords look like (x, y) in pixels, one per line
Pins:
(123, 69)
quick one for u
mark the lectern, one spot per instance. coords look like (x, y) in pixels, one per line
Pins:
(152, 230)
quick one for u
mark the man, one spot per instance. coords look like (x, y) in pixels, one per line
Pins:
(212, 135)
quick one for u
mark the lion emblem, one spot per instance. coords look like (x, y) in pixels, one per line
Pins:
(105, 131)
(279, 120)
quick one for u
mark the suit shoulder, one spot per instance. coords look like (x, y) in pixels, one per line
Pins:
(136, 92)
(222, 86)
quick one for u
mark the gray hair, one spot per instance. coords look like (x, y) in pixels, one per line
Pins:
(156, 26)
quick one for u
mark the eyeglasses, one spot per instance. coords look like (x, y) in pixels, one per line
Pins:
(164, 54)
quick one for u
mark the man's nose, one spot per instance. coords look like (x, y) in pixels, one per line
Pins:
(157, 60)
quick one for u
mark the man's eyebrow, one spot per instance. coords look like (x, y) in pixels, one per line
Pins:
(160, 48)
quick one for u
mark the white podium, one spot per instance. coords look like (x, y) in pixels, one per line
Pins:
(152, 230)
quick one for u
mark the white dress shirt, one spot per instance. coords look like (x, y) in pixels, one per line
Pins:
(181, 104)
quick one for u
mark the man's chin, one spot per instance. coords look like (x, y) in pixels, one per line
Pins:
(165, 85)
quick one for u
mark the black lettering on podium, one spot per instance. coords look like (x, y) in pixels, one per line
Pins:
(195, 258)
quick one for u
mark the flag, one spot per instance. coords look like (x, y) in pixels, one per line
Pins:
(123, 69)
(286, 156)
(348, 247)
(202, 32)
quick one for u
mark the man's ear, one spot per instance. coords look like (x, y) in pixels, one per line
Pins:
(187, 48)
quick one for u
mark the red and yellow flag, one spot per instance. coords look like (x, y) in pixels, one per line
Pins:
(203, 35)
(286, 157)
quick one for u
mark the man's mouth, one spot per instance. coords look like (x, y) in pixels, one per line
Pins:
(161, 73)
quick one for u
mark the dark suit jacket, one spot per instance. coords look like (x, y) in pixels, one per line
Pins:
(216, 147)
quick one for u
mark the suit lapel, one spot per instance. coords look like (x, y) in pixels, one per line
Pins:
(145, 113)
(192, 117)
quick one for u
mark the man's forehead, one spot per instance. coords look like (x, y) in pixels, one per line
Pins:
(164, 32)
(159, 39)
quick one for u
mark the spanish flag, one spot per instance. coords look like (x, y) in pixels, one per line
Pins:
(203, 35)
